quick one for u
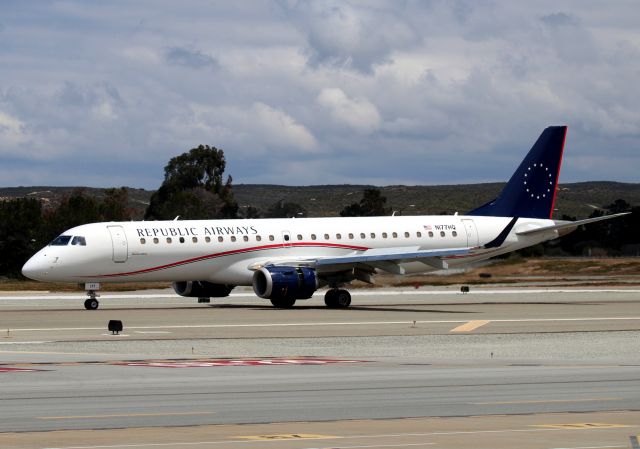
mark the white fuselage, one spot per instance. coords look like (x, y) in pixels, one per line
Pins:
(227, 251)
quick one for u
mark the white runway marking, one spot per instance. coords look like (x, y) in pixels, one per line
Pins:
(337, 323)
(384, 292)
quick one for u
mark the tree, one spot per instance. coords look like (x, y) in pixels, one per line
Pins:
(372, 204)
(20, 228)
(249, 212)
(115, 205)
(282, 209)
(74, 210)
(193, 188)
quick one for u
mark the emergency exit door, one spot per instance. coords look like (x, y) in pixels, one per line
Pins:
(472, 232)
(119, 244)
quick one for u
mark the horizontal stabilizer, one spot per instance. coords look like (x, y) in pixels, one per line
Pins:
(569, 225)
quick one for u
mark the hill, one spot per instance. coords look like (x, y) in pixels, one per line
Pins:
(574, 199)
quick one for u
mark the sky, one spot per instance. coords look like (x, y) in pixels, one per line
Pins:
(104, 93)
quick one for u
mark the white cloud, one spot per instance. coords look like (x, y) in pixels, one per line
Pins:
(357, 113)
(282, 130)
(12, 131)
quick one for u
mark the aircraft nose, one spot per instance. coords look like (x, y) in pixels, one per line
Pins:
(35, 268)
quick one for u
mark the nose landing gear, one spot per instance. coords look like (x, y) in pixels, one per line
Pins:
(91, 303)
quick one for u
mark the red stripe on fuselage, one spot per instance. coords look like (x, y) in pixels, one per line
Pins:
(229, 253)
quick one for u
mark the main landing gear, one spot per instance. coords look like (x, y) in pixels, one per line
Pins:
(336, 298)
(91, 303)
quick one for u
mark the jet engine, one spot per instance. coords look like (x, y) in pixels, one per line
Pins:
(202, 289)
(285, 283)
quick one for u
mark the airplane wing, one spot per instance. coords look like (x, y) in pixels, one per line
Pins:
(569, 225)
(386, 259)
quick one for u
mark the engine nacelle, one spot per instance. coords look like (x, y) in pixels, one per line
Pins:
(285, 282)
(202, 289)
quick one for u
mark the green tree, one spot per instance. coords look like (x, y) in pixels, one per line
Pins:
(194, 188)
(282, 209)
(115, 205)
(20, 228)
(372, 204)
(74, 210)
(249, 212)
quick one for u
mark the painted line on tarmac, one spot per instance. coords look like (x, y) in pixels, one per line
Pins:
(353, 293)
(350, 437)
(316, 324)
(25, 342)
(124, 415)
(548, 401)
(470, 326)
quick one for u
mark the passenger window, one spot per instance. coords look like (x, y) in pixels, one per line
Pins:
(181, 239)
(313, 236)
(406, 234)
(62, 240)
(338, 236)
(395, 235)
(155, 240)
(454, 233)
(143, 241)
(430, 233)
(373, 235)
(286, 237)
(258, 238)
(168, 239)
(207, 239)
(442, 234)
(350, 236)
(194, 239)
(271, 238)
(362, 235)
(233, 238)
(78, 240)
(299, 236)
(384, 235)
(326, 236)
(221, 239)
(245, 238)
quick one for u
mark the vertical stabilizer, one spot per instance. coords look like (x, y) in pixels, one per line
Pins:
(531, 191)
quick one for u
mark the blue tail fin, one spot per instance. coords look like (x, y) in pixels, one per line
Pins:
(531, 191)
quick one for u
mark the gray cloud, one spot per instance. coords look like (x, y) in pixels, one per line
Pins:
(301, 92)
(190, 58)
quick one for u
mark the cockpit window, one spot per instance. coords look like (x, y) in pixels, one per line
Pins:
(61, 240)
(79, 240)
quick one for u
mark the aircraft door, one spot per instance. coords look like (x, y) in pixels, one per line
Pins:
(472, 232)
(119, 242)
(286, 238)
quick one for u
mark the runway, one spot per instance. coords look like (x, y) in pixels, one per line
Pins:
(427, 366)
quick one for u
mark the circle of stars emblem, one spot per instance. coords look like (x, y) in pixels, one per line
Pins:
(538, 181)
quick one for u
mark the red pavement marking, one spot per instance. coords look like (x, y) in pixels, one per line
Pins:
(4, 369)
(226, 362)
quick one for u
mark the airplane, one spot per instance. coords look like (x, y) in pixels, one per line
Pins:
(286, 260)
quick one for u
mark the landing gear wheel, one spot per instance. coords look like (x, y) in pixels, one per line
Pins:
(337, 299)
(283, 303)
(343, 299)
(330, 298)
(91, 304)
